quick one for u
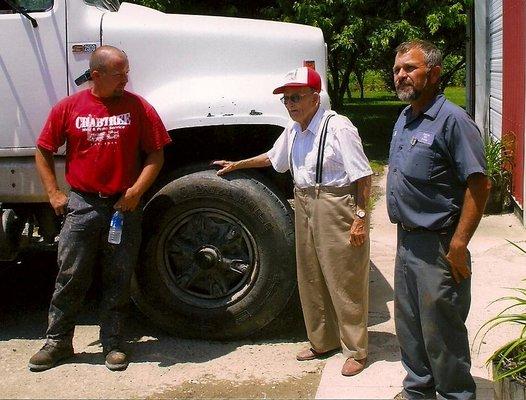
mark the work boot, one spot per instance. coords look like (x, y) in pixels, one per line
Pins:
(116, 360)
(49, 355)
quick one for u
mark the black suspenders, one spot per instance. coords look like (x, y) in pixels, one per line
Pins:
(321, 148)
(290, 156)
(319, 159)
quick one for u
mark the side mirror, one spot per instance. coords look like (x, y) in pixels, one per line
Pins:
(86, 76)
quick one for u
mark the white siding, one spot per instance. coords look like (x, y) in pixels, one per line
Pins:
(495, 66)
(480, 65)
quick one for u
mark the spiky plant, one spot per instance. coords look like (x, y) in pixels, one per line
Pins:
(510, 359)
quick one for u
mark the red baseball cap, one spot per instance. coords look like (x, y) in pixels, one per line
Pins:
(300, 77)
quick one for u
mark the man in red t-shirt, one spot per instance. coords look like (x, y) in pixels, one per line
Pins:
(114, 151)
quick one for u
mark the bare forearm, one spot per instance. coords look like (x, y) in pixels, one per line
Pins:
(473, 207)
(359, 230)
(46, 169)
(255, 162)
(363, 192)
(131, 198)
(152, 166)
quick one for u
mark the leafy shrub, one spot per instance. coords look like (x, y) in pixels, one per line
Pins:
(499, 158)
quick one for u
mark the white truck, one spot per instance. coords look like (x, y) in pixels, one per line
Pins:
(217, 259)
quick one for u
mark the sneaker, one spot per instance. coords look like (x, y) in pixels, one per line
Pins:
(116, 360)
(48, 356)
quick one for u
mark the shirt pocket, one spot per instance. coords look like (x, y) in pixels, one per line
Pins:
(420, 157)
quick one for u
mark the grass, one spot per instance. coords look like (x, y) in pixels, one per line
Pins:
(377, 167)
(375, 116)
(457, 95)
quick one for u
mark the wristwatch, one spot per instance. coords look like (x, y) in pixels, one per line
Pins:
(361, 213)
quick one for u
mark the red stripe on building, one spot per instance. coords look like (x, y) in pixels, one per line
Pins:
(513, 86)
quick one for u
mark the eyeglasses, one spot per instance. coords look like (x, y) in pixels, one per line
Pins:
(294, 98)
(120, 74)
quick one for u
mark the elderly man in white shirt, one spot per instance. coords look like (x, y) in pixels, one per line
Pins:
(332, 180)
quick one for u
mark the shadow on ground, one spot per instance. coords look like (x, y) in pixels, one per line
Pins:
(26, 288)
(380, 293)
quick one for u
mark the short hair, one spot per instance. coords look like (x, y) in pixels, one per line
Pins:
(100, 57)
(432, 55)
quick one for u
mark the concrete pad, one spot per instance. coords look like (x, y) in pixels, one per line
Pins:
(381, 380)
(497, 265)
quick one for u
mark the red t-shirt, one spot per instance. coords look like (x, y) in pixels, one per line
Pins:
(106, 139)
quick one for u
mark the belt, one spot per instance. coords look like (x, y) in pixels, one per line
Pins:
(97, 195)
(440, 231)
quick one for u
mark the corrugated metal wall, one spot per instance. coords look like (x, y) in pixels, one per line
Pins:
(495, 54)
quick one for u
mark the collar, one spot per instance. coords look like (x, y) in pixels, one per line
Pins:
(105, 100)
(314, 123)
(431, 111)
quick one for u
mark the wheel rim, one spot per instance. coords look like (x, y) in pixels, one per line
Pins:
(209, 258)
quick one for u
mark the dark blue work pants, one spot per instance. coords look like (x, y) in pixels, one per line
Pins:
(83, 245)
(430, 312)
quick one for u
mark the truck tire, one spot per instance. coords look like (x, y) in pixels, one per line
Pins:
(217, 258)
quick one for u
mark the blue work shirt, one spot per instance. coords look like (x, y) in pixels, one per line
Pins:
(430, 158)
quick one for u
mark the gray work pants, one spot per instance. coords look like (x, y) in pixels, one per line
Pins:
(430, 312)
(83, 245)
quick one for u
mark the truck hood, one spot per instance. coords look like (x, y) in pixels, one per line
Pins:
(202, 70)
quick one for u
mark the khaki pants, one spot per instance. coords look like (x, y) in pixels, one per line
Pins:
(333, 276)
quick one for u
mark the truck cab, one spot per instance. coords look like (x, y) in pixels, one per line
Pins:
(217, 258)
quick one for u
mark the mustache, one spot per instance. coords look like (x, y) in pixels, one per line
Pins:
(404, 85)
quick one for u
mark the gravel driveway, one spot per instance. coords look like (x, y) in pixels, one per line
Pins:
(162, 366)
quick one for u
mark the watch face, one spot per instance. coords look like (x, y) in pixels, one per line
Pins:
(360, 213)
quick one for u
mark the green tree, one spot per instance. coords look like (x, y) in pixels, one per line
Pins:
(346, 26)
(361, 34)
(442, 22)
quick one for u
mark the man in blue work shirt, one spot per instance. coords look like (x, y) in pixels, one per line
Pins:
(436, 193)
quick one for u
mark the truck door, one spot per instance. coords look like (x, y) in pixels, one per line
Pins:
(32, 69)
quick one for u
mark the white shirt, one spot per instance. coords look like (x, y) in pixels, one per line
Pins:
(343, 159)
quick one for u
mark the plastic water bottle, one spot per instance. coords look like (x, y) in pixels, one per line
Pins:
(114, 236)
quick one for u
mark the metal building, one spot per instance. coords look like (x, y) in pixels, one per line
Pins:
(499, 65)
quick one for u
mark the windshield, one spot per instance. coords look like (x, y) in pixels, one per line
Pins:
(112, 5)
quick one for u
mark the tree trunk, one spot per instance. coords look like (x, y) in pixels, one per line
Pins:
(334, 83)
(360, 78)
(446, 76)
(339, 91)
(349, 93)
